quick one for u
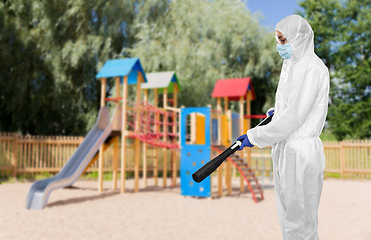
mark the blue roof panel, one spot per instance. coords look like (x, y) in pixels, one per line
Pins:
(121, 68)
(173, 79)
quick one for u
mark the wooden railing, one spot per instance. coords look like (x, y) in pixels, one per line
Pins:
(349, 158)
(26, 156)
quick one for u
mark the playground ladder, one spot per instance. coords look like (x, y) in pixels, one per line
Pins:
(151, 155)
(245, 171)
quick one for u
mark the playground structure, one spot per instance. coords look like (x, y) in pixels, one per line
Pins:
(157, 128)
(226, 127)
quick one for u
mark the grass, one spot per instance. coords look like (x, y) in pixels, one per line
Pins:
(326, 135)
(43, 175)
(91, 176)
(106, 176)
(7, 180)
(332, 175)
(326, 175)
(10, 179)
(109, 176)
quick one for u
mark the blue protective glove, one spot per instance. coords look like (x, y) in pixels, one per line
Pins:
(245, 142)
(270, 112)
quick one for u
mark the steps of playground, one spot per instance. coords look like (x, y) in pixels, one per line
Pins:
(246, 170)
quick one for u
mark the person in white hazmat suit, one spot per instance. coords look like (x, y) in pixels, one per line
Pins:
(299, 116)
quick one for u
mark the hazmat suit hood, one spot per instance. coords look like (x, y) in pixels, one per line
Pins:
(299, 34)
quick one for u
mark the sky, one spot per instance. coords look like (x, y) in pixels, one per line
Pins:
(273, 10)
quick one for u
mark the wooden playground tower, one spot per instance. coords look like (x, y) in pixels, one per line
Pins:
(240, 90)
(158, 127)
(130, 71)
(227, 132)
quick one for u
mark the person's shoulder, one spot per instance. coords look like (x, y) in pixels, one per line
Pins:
(318, 63)
(312, 63)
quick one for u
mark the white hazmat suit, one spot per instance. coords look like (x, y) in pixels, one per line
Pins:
(297, 152)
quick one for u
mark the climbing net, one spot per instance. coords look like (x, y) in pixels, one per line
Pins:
(155, 126)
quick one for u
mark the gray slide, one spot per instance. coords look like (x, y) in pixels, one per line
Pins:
(39, 192)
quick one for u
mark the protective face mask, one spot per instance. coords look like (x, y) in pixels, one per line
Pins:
(284, 50)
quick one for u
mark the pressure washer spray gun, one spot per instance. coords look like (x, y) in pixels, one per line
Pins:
(212, 165)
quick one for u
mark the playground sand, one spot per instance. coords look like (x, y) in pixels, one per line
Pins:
(161, 213)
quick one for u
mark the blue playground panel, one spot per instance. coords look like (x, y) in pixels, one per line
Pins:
(214, 132)
(235, 126)
(194, 156)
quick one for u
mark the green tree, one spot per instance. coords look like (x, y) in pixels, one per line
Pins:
(50, 54)
(342, 40)
(51, 51)
(204, 41)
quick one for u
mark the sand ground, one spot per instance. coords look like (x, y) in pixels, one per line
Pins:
(161, 213)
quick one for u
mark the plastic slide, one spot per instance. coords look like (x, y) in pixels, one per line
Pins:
(39, 192)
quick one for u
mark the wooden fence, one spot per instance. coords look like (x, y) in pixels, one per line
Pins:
(346, 159)
(349, 158)
(26, 156)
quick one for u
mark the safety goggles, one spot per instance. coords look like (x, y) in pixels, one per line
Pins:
(280, 39)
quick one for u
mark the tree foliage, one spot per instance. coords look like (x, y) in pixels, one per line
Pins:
(342, 38)
(208, 40)
(50, 53)
(52, 50)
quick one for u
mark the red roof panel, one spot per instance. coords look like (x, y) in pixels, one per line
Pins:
(233, 88)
